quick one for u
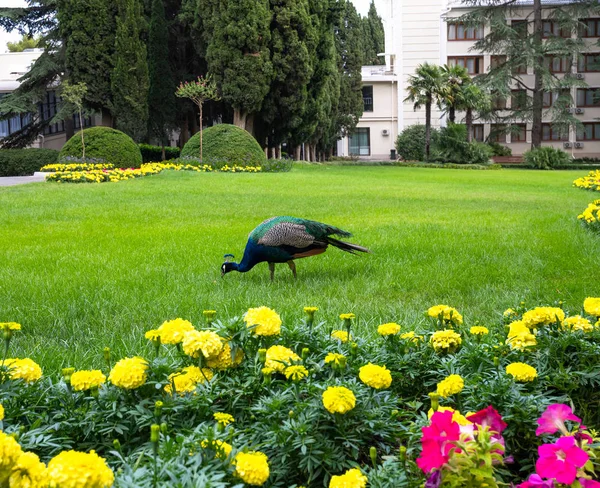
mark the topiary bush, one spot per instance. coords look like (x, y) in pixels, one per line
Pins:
(226, 142)
(546, 157)
(410, 144)
(153, 154)
(111, 145)
(25, 162)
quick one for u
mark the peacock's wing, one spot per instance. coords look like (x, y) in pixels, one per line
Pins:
(287, 234)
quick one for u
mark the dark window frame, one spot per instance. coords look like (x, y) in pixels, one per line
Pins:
(554, 135)
(478, 60)
(478, 132)
(469, 33)
(554, 26)
(584, 33)
(497, 133)
(585, 91)
(520, 136)
(583, 67)
(367, 130)
(367, 107)
(582, 136)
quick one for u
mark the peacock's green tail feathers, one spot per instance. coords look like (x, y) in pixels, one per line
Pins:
(317, 229)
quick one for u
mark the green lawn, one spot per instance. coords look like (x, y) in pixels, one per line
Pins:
(88, 266)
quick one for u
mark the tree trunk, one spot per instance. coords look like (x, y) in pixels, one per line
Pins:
(297, 153)
(239, 118)
(81, 132)
(469, 124)
(452, 114)
(249, 126)
(185, 133)
(162, 150)
(427, 128)
(538, 93)
(278, 151)
(201, 154)
(307, 155)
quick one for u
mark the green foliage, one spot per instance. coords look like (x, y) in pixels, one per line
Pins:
(499, 149)
(410, 144)
(24, 162)
(452, 147)
(546, 157)
(153, 154)
(129, 79)
(374, 37)
(26, 42)
(111, 145)
(226, 142)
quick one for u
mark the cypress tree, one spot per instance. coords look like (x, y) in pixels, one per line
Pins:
(129, 78)
(374, 37)
(161, 98)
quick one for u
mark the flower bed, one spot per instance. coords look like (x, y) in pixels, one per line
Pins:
(590, 217)
(258, 401)
(589, 182)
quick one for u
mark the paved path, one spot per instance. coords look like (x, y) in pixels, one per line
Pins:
(20, 180)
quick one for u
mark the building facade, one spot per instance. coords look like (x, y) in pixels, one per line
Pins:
(417, 31)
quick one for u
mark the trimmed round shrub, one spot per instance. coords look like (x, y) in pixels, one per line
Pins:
(410, 144)
(111, 145)
(546, 157)
(25, 162)
(226, 142)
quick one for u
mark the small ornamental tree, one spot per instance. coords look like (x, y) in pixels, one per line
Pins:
(198, 92)
(74, 94)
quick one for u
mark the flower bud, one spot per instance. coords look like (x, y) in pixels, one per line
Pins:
(402, 453)
(373, 454)
(117, 444)
(354, 348)
(291, 414)
(163, 428)
(158, 408)
(154, 433)
(94, 392)
(209, 315)
(305, 352)
(496, 361)
(67, 373)
(435, 401)
(106, 353)
(262, 355)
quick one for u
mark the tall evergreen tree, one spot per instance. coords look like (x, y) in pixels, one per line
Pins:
(161, 97)
(374, 37)
(237, 39)
(129, 80)
(521, 45)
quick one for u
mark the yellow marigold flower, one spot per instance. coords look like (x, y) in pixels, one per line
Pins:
(449, 314)
(335, 358)
(23, 369)
(153, 335)
(340, 335)
(479, 330)
(577, 323)
(445, 341)
(223, 418)
(411, 336)
(296, 373)
(509, 312)
(205, 342)
(338, 399)
(388, 329)
(521, 372)
(10, 451)
(311, 310)
(353, 478)
(222, 448)
(73, 469)
(267, 371)
(279, 357)
(224, 360)
(172, 331)
(457, 417)
(252, 467)
(129, 373)
(451, 385)
(86, 379)
(265, 322)
(1, 412)
(347, 316)
(592, 306)
(188, 379)
(543, 316)
(28, 472)
(10, 326)
(377, 377)
(521, 340)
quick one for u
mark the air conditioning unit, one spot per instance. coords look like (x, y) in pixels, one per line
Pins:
(579, 76)
(571, 110)
(385, 132)
(579, 110)
(579, 145)
(567, 145)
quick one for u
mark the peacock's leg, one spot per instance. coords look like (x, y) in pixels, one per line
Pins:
(272, 270)
(292, 266)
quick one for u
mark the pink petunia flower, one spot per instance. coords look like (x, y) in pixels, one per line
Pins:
(489, 417)
(535, 481)
(437, 441)
(589, 483)
(553, 419)
(560, 460)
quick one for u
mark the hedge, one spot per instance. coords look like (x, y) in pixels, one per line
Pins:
(25, 162)
(153, 154)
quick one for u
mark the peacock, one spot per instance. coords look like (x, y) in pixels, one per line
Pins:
(284, 239)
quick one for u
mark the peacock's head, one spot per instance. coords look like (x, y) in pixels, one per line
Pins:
(227, 266)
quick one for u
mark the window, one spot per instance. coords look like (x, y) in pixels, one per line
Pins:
(13, 124)
(551, 28)
(558, 64)
(497, 133)
(552, 133)
(590, 28)
(498, 103)
(48, 109)
(590, 132)
(518, 133)
(520, 27)
(367, 93)
(360, 142)
(519, 99)
(589, 63)
(588, 97)
(473, 64)
(477, 132)
(459, 32)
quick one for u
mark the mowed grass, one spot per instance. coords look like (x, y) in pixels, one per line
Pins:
(88, 266)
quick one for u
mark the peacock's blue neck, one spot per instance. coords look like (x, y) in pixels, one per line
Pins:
(250, 258)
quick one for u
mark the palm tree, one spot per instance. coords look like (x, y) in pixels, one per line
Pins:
(473, 99)
(424, 88)
(454, 78)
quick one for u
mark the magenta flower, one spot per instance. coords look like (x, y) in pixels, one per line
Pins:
(560, 460)
(535, 481)
(489, 417)
(588, 483)
(553, 419)
(437, 441)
